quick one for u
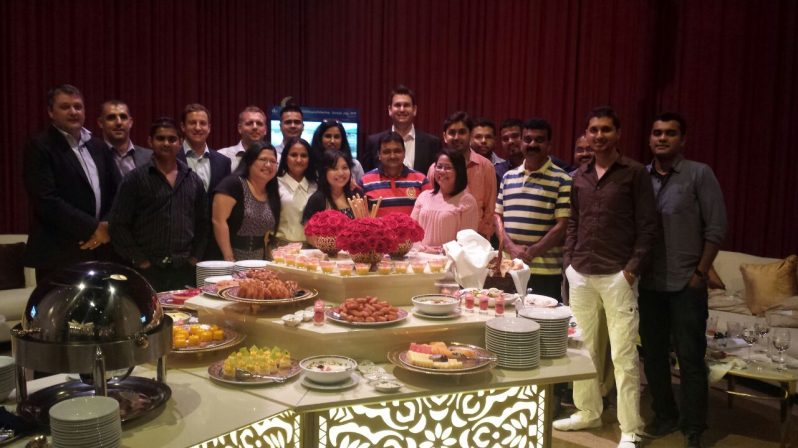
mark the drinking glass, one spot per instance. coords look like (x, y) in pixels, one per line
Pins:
(750, 336)
(733, 329)
(762, 328)
(781, 342)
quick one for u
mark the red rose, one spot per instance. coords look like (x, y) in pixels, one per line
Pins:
(365, 235)
(326, 223)
(403, 227)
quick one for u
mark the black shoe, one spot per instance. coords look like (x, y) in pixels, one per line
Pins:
(693, 440)
(660, 427)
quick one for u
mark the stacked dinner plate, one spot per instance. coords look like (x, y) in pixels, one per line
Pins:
(212, 268)
(245, 265)
(515, 341)
(8, 373)
(86, 422)
(553, 329)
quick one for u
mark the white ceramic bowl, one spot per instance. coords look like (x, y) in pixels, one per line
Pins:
(291, 320)
(328, 369)
(436, 304)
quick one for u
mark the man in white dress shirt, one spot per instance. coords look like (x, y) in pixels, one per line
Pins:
(251, 128)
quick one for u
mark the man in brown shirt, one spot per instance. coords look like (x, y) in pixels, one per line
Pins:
(612, 228)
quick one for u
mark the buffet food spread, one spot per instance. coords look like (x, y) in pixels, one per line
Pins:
(346, 351)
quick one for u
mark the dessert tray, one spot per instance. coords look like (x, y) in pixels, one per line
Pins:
(336, 317)
(231, 293)
(243, 378)
(479, 360)
(231, 338)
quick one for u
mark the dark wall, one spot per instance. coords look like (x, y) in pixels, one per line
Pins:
(728, 65)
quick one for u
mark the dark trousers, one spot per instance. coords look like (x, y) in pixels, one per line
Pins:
(679, 318)
(169, 278)
(546, 285)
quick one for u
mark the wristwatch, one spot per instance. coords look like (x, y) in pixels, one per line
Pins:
(700, 274)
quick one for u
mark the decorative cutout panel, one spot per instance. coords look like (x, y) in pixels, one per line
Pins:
(509, 418)
(278, 431)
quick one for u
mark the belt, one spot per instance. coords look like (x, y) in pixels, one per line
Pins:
(246, 243)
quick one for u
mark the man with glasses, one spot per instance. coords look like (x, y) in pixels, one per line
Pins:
(159, 220)
(70, 180)
(532, 210)
(251, 128)
(481, 174)
(115, 123)
(420, 148)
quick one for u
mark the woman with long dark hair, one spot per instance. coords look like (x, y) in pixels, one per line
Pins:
(331, 136)
(335, 186)
(448, 207)
(246, 205)
(296, 176)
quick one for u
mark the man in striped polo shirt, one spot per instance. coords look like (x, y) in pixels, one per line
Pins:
(395, 183)
(533, 208)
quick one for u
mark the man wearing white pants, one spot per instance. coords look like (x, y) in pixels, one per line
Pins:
(612, 228)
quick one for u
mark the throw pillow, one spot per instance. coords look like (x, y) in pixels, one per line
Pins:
(12, 272)
(767, 285)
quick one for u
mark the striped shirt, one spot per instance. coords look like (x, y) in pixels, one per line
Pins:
(530, 203)
(398, 193)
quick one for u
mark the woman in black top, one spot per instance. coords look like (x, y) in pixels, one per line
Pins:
(246, 205)
(335, 186)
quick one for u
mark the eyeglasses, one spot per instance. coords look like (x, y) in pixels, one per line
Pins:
(444, 168)
(265, 161)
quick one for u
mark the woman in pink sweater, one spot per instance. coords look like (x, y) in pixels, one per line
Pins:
(448, 207)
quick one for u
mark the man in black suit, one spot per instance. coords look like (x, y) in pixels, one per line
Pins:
(71, 182)
(115, 123)
(210, 166)
(420, 147)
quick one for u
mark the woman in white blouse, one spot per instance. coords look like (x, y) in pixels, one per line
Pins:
(296, 176)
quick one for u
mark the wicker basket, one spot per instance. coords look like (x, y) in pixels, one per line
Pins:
(368, 257)
(402, 250)
(325, 244)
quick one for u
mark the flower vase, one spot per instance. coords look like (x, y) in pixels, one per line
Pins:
(367, 257)
(325, 244)
(402, 250)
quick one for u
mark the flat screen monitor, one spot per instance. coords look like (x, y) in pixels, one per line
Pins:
(313, 117)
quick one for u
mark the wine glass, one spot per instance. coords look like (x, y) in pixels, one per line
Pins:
(750, 336)
(762, 328)
(781, 342)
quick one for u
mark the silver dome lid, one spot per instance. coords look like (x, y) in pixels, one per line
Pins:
(91, 302)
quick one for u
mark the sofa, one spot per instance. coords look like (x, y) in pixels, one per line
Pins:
(13, 301)
(734, 303)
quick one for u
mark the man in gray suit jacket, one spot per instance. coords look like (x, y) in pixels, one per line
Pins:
(420, 147)
(115, 123)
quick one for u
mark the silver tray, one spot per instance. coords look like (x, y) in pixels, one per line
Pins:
(486, 361)
(215, 372)
(137, 397)
(231, 338)
(336, 317)
(300, 296)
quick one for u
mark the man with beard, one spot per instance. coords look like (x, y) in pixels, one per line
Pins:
(583, 154)
(159, 221)
(251, 128)
(483, 140)
(532, 210)
(115, 122)
(510, 138)
(481, 174)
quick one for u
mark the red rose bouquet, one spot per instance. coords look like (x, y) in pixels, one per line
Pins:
(322, 230)
(366, 239)
(406, 230)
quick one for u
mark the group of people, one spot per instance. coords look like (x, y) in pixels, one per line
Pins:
(629, 246)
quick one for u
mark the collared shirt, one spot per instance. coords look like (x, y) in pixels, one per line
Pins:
(151, 220)
(398, 193)
(530, 203)
(87, 163)
(410, 145)
(494, 159)
(234, 153)
(692, 212)
(613, 223)
(293, 199)
(125, 163)
(200, 165)
(481, 185)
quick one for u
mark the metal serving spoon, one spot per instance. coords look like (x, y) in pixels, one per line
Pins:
(242, 374)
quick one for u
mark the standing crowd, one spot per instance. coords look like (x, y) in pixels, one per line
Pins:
(629, 246)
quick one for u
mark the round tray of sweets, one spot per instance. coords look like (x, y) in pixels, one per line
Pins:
(300, 295)
(480, 361)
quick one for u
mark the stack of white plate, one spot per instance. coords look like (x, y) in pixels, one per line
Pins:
(86, 422)
(212, 268)
(8, 373)
(245, 265)
(553, 329)
(515, 341)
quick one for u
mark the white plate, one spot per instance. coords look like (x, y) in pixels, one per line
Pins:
(84, 408)
(512, 325)
(557, 313)
(216, 264)
(352, 381)
(250, 264)
(418, 313)
(218, 278)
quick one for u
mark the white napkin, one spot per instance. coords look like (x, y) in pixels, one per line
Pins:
(470, 253)
(520, 277)
(718, 370)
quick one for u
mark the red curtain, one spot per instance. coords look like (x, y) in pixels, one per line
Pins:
(728, 65)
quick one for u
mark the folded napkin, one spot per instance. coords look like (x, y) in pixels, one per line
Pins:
(718, 370)
(470, 253)
(520, 277)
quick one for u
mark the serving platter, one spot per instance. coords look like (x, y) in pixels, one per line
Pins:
(353, 380)
(231, 293)
(483, 361)
(336, 317)
(215, 371)
(418, 313)
(176, 299)
(231, 338)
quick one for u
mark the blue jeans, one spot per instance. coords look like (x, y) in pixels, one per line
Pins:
(678, 318)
